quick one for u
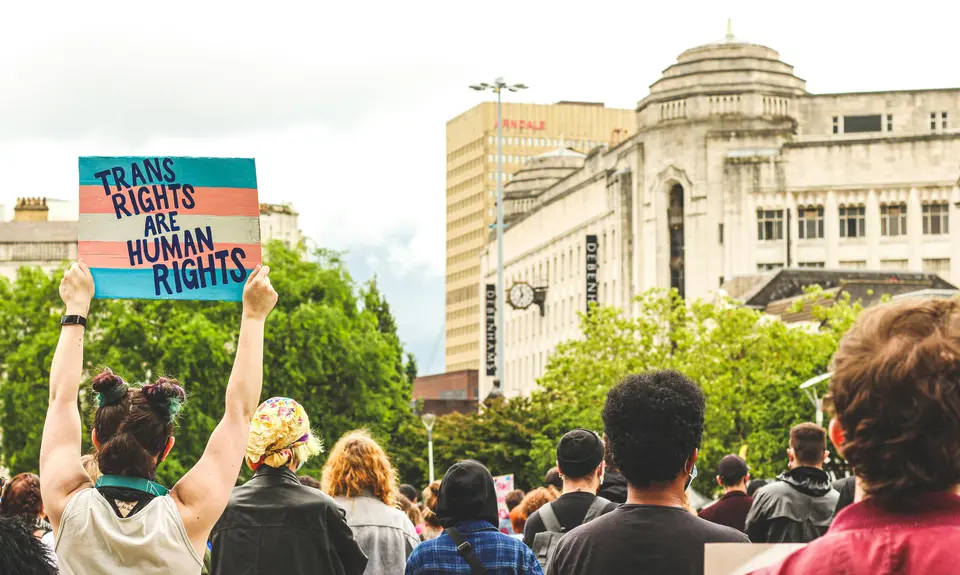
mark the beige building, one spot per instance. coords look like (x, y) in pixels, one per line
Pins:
(528, 130)
(42, 232)
(732, 168)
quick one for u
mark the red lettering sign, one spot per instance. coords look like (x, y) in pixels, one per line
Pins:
(525, 124)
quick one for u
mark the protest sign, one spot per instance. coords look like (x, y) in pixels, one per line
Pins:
(503, 485)
(169, 227)
(744, 558)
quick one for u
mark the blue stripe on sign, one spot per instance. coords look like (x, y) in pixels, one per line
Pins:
(198, 172)
(121, 283)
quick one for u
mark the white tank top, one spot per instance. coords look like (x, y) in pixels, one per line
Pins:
(92, 539)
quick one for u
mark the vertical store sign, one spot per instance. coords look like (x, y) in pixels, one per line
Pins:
(491, 353)
(592, 268)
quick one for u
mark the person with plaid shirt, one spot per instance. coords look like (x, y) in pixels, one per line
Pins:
(467, 508)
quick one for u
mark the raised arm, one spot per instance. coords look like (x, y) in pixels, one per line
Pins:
(203, 493)
(61, 473)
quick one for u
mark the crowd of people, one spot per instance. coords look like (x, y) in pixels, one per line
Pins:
(616, 502)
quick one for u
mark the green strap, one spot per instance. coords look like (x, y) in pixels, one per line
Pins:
(137, 483)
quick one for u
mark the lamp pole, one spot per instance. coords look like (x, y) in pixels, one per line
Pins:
(809, 388)
(428, 420)
(497, 87)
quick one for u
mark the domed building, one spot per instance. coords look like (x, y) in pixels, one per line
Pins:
(733, 170)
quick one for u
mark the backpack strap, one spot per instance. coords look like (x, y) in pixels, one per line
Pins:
(466, 551)
(596, 509)
(549, 519)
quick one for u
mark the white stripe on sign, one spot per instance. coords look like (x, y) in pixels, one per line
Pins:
(226, 229)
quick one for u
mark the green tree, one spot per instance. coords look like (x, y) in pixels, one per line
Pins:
(339, 359)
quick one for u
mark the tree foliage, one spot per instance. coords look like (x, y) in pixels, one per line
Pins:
(343, 361)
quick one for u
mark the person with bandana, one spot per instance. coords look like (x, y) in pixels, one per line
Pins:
(273, 523)
(124, 522)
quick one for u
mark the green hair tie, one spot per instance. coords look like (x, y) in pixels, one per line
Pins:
(113, 395)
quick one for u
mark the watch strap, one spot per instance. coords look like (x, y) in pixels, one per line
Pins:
(73, 320)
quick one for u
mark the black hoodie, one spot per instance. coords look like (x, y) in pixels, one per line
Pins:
(467, 494)
(797, 508)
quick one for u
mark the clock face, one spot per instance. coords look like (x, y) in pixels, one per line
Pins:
(521, 295)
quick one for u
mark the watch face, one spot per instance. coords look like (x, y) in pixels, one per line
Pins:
(521, 295)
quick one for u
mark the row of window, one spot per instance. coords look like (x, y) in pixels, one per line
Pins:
(893, 221)
(544, 142)
(471, 312)
(464, 238)
(461, 294)
(464, 167)
(560, 315)
(462, 330)
(465, 149)
(939, 266)
(566, 266)
(467, 201)
(466, 220)
(874, 123)
(30, 251)
(464, 185)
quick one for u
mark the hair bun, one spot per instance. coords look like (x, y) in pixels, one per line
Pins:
(110, 387)
(166, 394)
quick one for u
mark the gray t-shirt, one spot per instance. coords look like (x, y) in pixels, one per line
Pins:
(640, 540)
(385, 534)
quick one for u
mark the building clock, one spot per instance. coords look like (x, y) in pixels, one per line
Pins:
(521, 295)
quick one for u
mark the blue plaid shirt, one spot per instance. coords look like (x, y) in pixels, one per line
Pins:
(499, 553)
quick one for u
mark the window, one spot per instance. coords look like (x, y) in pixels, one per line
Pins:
(810, 264)
(720, 233)
(852, 264)
(769, 225)
(889, 122)
(852, 221)
(893, 220)
(811, 222)
(769, 267)
(936, 219)
(853, 124)
(944, 118)
(933, 121)
(836, 124)
(940, 266)
(893, 264)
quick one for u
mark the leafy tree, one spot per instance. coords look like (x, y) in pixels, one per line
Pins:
(341, 360)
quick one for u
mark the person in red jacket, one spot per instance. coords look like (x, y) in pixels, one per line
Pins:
(896, 392)
(731, 510)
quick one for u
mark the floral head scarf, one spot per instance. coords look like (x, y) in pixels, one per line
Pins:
(279, 425)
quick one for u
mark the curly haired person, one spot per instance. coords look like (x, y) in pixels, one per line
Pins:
(896, 392)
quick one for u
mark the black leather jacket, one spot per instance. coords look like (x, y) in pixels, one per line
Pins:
(797, 508)
(275, 525)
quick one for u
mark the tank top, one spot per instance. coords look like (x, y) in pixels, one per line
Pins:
(92, 539)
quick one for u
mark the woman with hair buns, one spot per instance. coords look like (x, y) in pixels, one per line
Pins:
(274, 523)
(125, 523)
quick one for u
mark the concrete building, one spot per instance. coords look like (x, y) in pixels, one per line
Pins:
(448, 392)
(42, 232)
(528, 130)
(732, 168)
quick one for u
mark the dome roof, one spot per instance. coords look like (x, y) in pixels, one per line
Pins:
(726, 66)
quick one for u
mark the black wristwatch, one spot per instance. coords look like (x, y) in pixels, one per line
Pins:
(73, 320)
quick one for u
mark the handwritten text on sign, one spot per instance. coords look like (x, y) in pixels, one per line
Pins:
(169, 228)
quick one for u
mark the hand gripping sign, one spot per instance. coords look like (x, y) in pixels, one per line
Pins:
(169, 228)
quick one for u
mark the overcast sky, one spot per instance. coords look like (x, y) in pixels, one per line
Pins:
(344, 104)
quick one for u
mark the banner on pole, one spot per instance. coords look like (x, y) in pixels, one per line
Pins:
(491, 327)
(169, 227)
(592, 268)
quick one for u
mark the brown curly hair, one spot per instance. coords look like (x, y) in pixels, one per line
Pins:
(531, 502)
(21, 496)
(431, 496)
(896, 392)
(357, 466)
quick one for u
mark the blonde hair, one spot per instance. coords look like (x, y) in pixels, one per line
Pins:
(295, 455)
(356, 465)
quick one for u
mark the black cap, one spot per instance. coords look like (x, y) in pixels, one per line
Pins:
(579, 453)
(732, 470)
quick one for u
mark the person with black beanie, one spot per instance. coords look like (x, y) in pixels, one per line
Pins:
(467, 508)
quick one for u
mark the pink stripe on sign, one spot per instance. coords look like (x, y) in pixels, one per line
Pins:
(117, 255)
(198, 201)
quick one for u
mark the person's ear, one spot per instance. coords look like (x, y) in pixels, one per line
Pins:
(93, 438)
(166, 450)
(693, 460)
(836, 435)
(720, 483)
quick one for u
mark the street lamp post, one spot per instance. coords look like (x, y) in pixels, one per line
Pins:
(497, 87)
(428, 420)
(809, 388)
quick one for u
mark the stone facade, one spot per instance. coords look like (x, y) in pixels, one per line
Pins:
(733, 169)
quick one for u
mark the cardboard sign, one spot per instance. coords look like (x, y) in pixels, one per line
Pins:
(744, 558)
(169, 228)
(503, 485)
